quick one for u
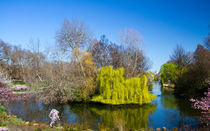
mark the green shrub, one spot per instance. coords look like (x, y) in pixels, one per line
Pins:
(18, 83)
(2, 108)
(115, 89)
(7, 119)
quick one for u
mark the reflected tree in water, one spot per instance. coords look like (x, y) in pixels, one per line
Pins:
(168, 99)
(85, 115)
(124, 118)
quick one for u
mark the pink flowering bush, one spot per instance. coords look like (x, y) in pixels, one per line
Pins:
(4, 129)
(6, 95)
(203, 105)
(19, 87)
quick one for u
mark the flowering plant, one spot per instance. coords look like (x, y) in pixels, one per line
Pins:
(4, 129)
(6, 95)
(19, 87)
(203, 105)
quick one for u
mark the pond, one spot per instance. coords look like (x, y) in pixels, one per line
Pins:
(164, 111)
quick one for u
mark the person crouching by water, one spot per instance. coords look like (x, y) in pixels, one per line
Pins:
(54, 117)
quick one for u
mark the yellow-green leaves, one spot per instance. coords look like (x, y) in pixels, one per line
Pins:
(115, 89)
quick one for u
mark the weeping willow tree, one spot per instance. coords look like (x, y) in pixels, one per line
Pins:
(115, 89)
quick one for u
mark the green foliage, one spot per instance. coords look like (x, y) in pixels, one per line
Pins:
(191, 78)
(196, 79)
(38, 85)
(14, 83)
(75, 127)
(2, 108)
(88, 84)
(156, 77)
(78, 95)
(169, 71)
(168, 99)
(38, 129)
(7, 119)
(115, 89)
(150, 75)
(18, 83)
(16, 121)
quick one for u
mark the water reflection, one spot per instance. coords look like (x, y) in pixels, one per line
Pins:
(29, 110)
(168, 100)
(165, 110)
(124, 117)
(172, 112)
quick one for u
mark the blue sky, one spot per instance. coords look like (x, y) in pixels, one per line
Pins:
(163, 24)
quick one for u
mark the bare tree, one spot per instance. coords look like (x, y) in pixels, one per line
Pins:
(116, 55)
(100, 51)
(106, 53)
(180, 57)
(128, 55)
(133, 58)
(5, 51)
(71, 37)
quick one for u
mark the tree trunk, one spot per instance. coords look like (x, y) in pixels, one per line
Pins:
(81, 66)
(76, 53)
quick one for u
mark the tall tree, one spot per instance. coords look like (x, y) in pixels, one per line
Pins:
(72, 36)
(180, 57)
(134, 60)
(196, 79)
(100, 51)
(202, 64)
(169, 73)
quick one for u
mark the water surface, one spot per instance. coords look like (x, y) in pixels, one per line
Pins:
(164, 111)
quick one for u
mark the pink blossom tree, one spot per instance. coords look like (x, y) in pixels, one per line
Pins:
(203, 104)
(6, 94)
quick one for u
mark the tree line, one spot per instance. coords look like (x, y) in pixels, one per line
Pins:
(69, 73)
(189, 71)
